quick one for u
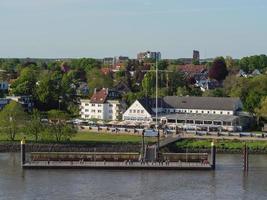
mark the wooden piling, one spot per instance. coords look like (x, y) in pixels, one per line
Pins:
(213, 156)
(22, 152)
(245, 158)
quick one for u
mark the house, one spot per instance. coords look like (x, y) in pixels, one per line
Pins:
(191, 70)
(25, 101)
(242, 73)
(104, 105)
(256, 72)
(3, 102)
(208, 85)
(4, 85)
(189, 113)
(106, 71)
(82, 89)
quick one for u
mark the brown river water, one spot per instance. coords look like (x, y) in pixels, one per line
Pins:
(227, 182)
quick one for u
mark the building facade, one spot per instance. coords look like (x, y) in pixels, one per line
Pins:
(26, 101)
(148, 55)
(189, 113)
(103, 105)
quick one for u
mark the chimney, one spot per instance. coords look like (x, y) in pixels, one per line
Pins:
(94, 90)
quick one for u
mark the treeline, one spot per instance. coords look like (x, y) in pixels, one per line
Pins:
(53, 83)
(14, 121)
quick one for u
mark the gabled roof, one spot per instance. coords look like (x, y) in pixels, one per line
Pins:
(149, 103)
(191, 69)
(176, 102)
(99, 96)
(205, 103)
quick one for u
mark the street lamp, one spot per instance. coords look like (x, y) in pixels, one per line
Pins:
(59, 101)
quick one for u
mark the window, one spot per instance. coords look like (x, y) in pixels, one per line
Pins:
(93, 111)
(99, 111)
(142, 111)
(86, 110)
(87, 104)
(86, 116)
(196, 111)
(228, 113)
(221, 113)
(134, 111)
(208, 111)
(130, 111)
(93, 104)
(202, 111)
(214, 112)
(99, 105)
(138, 111)
(110, 105)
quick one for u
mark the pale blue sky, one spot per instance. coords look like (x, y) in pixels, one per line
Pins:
(99, 28)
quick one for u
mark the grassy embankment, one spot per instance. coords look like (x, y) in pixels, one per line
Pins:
(83, 137)
(220, 144)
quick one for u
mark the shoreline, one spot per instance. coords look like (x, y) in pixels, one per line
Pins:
(9, 147)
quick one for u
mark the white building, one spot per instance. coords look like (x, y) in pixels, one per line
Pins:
(189, 113)
(102, 105)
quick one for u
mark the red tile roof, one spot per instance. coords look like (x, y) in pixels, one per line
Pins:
(106, 70)
(99, 96)
(191, 69)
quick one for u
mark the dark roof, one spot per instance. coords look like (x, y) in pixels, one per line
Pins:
(149, 103)
(206, 103)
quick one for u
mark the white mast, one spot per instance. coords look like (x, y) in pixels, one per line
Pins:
(156, 94)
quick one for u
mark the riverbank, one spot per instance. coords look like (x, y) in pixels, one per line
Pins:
(91, 141)
(71, 147)
(223, 146)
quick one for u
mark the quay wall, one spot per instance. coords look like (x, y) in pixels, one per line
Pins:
(72, 147)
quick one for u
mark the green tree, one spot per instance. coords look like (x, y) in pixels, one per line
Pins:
(12, 120)
(182, 91)
(218, 92)
(26, 82)
(58, 125)
(35, 127)
(149, 84)
(48, 92)
(261, 112)
(97, 80)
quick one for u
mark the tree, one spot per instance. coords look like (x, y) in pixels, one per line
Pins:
(218, 92)
(26, 82)
(58, 125)
(12, 120)
(182, 91)
(163, 65)
(261, 112)
(34, 126)
(48, 92)
(97, 80)
(149, 84)
(218, 70)
(248, 64)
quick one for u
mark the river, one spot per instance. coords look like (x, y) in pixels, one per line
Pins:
(227, 182)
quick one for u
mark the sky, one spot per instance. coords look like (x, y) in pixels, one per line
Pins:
(101, 28)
